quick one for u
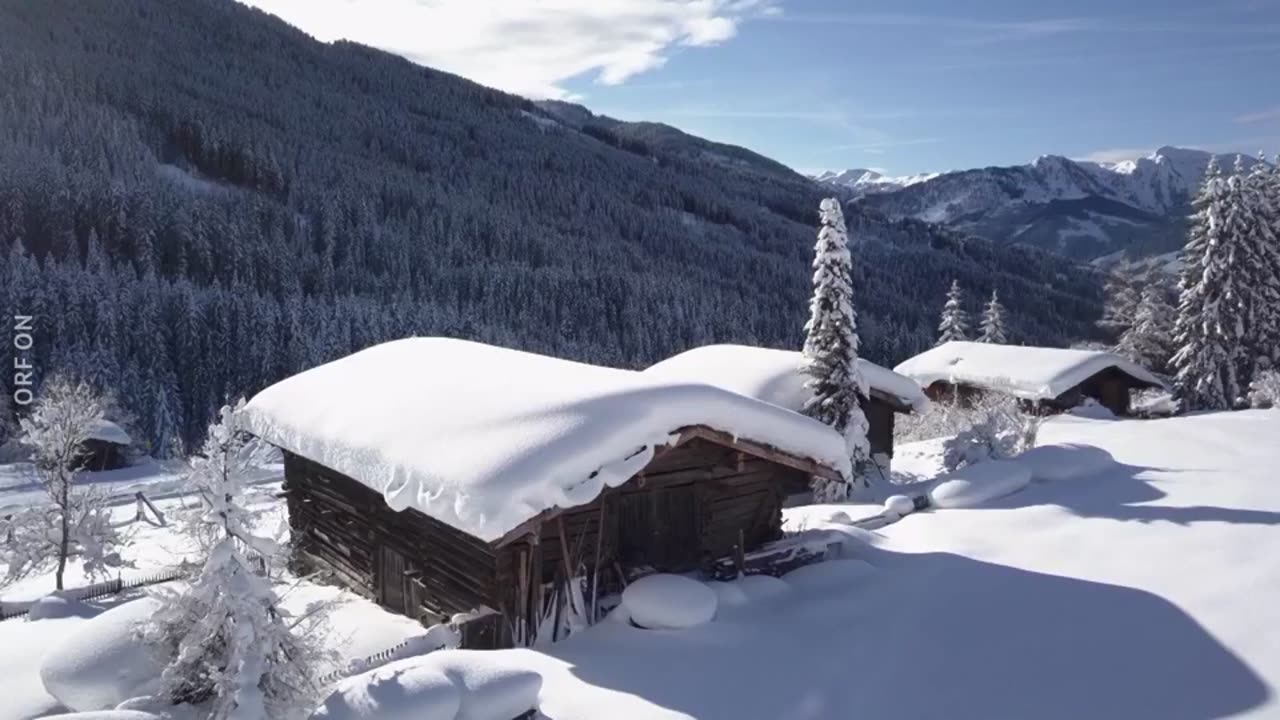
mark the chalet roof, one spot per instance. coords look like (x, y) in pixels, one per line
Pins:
(484, 438)
(109, 432)
(773, 376)
(1035, 373)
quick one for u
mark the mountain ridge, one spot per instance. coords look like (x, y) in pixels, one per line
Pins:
(1079, 208)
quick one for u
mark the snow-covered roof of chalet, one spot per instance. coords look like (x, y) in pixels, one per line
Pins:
(107, 431)
(1035, 373)
(773, 376)
(484, 438)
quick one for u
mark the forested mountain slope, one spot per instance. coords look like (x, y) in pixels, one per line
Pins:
(197, 199)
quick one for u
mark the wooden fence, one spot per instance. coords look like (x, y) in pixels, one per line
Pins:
(110, 587)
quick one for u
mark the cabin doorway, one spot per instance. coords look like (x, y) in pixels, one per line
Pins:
(393, 572)
(660, 528)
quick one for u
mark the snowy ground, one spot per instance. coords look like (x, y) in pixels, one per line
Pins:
(1149, 589)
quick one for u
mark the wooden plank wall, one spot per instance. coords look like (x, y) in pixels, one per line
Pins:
(344, 526)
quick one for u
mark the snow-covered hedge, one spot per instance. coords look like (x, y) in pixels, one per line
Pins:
(994, 428)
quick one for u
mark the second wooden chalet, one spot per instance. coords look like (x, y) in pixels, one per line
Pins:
(1047, 379)
(774, 376)
(445, 477)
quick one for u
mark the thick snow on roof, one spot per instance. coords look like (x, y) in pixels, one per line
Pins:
(1036, 373)
(107, 431)
(483, 438)
(774, 375)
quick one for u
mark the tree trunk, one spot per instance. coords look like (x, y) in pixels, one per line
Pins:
(64, 542)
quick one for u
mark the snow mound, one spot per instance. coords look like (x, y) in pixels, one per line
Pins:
(1035, 373)
(483, 438)
(1093, 410)
(773, 376)
(822, 576)
(669, 602)
(443, 685)
(53, 607)
(728, 595)
(490, 690)
(1065, 462)
(899, 505)
(403, 690)
(104, 715)
(762, 587)
(103, 663)
(979, 483)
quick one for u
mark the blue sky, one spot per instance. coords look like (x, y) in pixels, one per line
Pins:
(901, 86)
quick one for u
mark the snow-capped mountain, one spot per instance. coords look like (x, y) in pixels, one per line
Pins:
(1080, 208)
(869, 182)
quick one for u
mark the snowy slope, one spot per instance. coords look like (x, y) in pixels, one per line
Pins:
(1080, 208)
(1144, 589)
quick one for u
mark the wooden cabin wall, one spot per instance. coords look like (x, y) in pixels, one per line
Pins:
(407, 561)
(1109, 387)
(97, 455)
(879, 425)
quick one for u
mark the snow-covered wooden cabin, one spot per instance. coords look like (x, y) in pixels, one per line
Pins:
(774, 376)
(105, 448)
(442, 476)
(1051, 379)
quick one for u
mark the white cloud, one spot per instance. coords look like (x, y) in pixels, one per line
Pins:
(1111, 155)
(1272, 113)
(525, 46)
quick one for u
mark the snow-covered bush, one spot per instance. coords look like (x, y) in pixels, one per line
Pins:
(978, 484)
(993, 428)
(1153, 403)
(1264, 391)
(669, 602)
(224, 640)
(75, 523)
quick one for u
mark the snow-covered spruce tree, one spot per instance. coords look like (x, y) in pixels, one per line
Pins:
(1262, 332)
(955, 321)
(226, 644)
(76, 523)
(1215, 300)
(1149, 341)
(831, 350)
(993, 322)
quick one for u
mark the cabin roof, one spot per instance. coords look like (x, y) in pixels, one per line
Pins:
(109, 432)
(484, 438)
(1034, 373)
(773, 376)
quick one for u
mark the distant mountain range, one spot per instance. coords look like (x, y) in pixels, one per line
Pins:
(1084, 210)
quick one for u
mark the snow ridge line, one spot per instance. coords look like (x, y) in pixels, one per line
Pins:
(109, 587)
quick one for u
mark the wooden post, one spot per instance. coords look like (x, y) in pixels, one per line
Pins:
(564, 552)
(740, 553)
(595, 566)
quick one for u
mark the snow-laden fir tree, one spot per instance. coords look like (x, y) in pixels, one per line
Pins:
(1149, 340)
(1262, 331)
(227, 645)
(76, 523)
(993, 322)
(831, 349)
(955, 321)
(1215, 296)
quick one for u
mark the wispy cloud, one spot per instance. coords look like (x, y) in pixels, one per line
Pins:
(880, 147)
(530, 48)
(1111, 155)
(982, 29)
(1271, 113)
